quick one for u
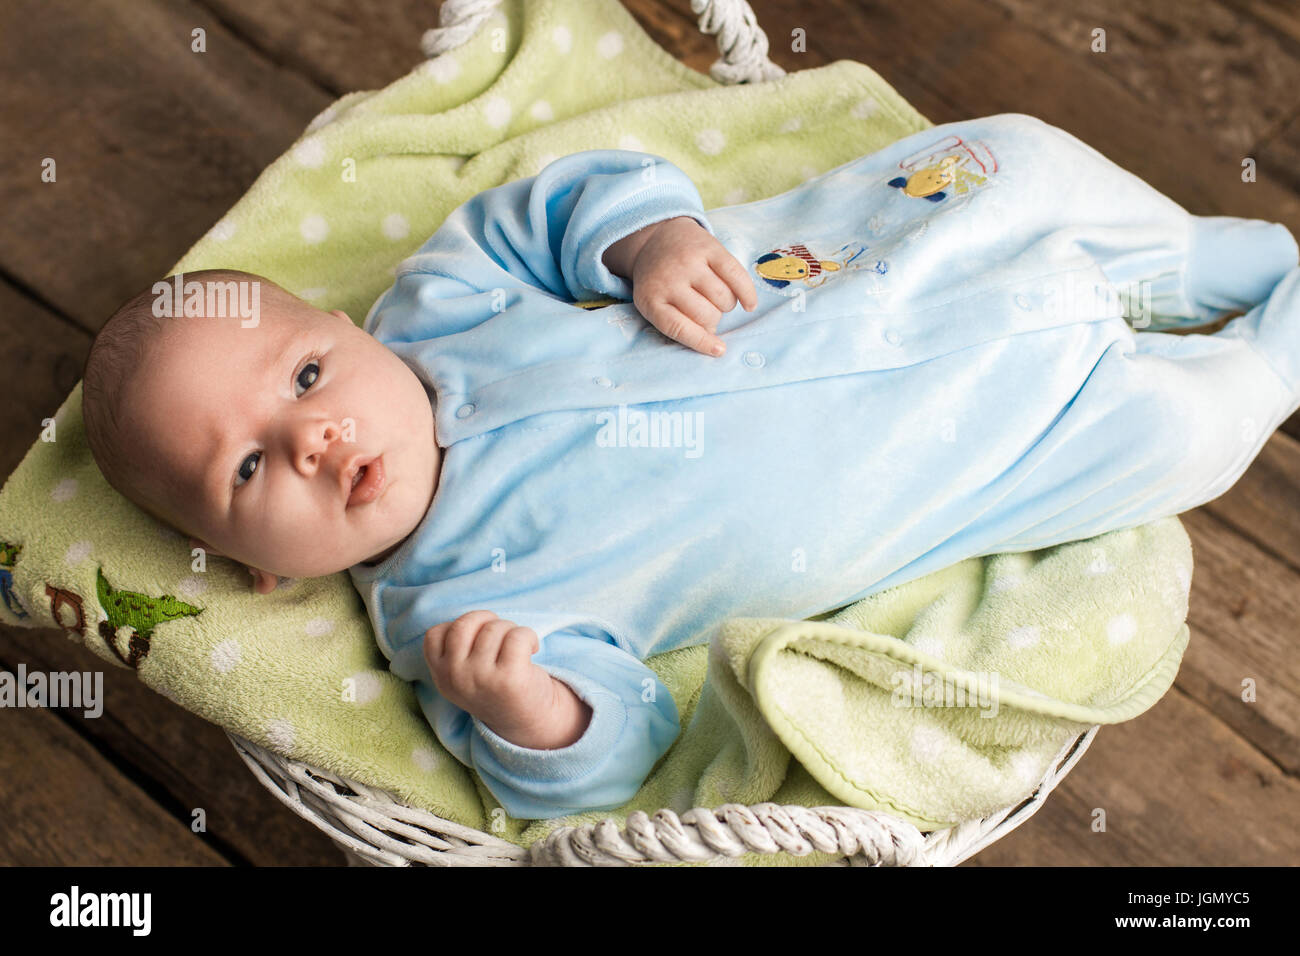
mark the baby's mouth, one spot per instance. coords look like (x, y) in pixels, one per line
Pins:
(367, 482)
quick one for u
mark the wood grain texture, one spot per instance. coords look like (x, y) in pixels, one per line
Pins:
(64, 803)
(1177, 786)
(152, 142)
(172, 756)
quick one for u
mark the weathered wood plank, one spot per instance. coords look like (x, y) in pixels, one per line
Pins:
(1209, 68)
(340, 45)
(1178, 787)
(1245, 619)
(178, 753)
(152, 142)
(66, 805)
(1264, 504)
(42, 357)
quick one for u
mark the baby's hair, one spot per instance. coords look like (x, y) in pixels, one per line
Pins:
(120, 351)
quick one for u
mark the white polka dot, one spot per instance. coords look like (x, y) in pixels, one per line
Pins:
(77, 552)
(395, 226)
(442, 69)
(496, 110)
(365, 687)
(541, 111)
(710, 141)
(610, 45)
(1005, 583)
(863, 109)
(930, 645)
(1023, 637)
(792, 125)
(315, 292)
(65, 490)
(222, 231)
(280, 734)
(929, 744)
(318, 626)
(310, 152)
(735, 197)
(314, 228)
(1027, 768)
(225, 657)
(1121, 628)
(326, 115)
(426, 758)
(191, 586)
(562, 38)
(628, 141)
(1100, 564)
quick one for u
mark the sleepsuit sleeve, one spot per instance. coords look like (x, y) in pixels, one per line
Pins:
(633, 723)
(1165, 423)
(548, 231)
(1179, 270)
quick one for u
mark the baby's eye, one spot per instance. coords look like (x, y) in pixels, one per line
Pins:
(254, 457)
(306, 378)
(309, 375)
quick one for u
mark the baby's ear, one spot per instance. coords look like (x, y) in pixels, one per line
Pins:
(341, 314)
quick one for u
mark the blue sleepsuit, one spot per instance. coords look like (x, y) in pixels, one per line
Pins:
(955, 353)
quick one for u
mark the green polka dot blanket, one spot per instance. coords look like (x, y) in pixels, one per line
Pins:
(940, 700)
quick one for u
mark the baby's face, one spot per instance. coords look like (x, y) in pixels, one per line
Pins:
(262, 429)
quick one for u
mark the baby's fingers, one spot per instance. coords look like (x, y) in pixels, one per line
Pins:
(684, 328)
(736, 276)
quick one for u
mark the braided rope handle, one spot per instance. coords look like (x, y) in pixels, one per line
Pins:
(458, 21)
(741, 41)
(733, 829)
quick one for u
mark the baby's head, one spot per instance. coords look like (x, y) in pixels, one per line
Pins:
(238, 414)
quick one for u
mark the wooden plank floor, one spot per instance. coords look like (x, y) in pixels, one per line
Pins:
(153, 144)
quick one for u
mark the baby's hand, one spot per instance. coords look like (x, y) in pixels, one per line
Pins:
(683, 279)
(482, 664)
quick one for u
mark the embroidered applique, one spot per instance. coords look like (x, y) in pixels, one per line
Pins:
(949, 167)
(136, 614)
(597, 303)
(8, 559)
(789, 269)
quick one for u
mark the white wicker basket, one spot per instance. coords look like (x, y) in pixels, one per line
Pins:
(373, 828)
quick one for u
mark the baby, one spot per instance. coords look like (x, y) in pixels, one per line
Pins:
(944, 349)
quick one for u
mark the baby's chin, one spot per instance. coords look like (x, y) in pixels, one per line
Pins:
(382, 555)
(373, 559)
